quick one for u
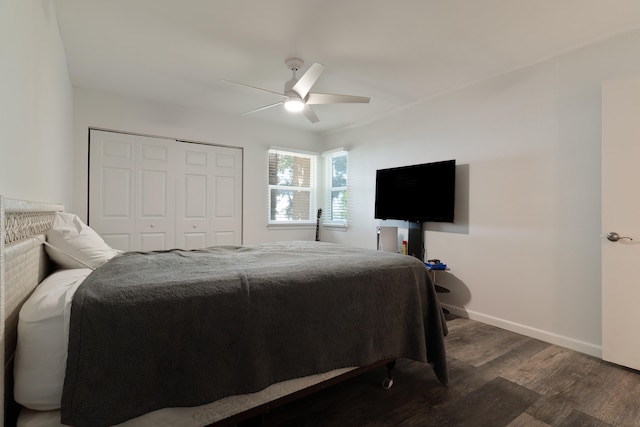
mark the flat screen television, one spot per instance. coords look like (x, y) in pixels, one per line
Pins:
(424, 192)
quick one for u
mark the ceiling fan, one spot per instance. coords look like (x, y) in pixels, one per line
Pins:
(297, 95)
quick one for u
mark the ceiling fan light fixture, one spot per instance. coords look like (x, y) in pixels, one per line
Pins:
(294, 105)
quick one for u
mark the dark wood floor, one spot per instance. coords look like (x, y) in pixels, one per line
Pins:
(497, 378)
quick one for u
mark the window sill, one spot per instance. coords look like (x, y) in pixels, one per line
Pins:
(337, 226)
(292, 226)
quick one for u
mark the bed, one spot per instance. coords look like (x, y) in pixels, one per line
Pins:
(288, 318)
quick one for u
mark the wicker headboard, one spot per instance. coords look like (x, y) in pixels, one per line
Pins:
(23, 265)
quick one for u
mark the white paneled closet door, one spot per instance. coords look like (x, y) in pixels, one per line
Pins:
(149, 193)
(208, 196)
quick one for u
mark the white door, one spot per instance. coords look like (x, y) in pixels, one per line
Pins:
(621, 214)
(132, 190)
(150, 193)
(208, 202)
(112, 171)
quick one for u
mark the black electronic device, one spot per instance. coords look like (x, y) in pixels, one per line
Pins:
(418, 193)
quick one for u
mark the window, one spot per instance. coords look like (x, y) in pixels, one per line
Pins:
(292, 192)
(337, 185)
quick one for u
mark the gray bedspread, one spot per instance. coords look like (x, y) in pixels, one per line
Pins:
(183, 328)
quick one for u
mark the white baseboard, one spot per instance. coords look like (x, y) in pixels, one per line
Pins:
(562, 341)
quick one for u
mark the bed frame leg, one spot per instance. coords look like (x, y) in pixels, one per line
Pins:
(388, 382)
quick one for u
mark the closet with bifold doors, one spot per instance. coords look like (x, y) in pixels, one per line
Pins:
(152, 193)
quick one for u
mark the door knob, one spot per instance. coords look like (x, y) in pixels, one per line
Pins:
(614, 237)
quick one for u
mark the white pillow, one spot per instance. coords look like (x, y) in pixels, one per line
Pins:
(70, 236)
(43, 336)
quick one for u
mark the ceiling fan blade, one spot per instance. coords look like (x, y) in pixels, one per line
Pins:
(263, 108)
(253, 87)
(303, 86)
(310, 114)
(329, 98)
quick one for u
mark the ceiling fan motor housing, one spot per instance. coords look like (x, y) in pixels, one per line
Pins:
(288, 91)
(294, 101)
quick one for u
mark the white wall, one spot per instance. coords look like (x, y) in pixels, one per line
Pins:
(527, 254)
(36, 112)
(128, 114)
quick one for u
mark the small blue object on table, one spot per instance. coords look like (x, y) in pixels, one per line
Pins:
(435, 266)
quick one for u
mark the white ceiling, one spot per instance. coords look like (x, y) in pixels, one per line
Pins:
(397, 52)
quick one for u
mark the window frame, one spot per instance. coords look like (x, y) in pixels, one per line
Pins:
(327, 219)
(312, 189)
